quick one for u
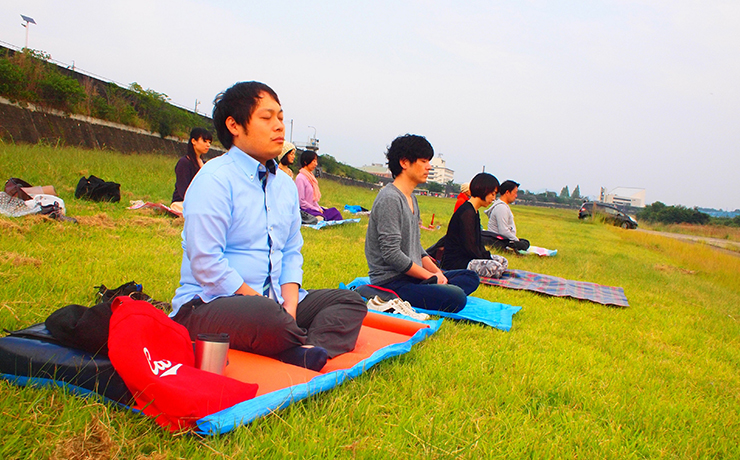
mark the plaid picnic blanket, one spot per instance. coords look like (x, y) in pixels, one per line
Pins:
(559, 287)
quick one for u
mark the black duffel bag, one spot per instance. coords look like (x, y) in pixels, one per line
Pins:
(96, 189)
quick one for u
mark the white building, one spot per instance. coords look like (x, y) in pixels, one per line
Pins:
(624, 196)
(440, 173)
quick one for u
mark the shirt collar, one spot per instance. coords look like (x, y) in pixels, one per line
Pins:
(248, 164)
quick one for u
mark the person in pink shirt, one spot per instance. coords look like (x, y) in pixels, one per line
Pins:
(308, 189)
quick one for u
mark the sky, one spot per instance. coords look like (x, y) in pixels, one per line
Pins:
(548, 93)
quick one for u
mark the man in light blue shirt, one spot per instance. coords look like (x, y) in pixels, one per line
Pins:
(242, 265)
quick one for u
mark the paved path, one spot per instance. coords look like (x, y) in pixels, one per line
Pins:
(727, 246)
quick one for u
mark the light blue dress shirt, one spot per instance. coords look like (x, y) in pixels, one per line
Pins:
(227, 220)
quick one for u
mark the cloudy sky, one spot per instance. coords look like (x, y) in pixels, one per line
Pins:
(549, 93)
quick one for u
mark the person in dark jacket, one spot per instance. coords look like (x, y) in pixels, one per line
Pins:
(189, 165)
(463, 246)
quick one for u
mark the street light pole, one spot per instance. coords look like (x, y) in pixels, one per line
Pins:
(28, 21)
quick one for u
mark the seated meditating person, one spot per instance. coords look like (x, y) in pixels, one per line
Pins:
(395, 258)
(501, 220)
(436, 249)
(463, 246)
(286, 158)
(189, 165)
(308, 189)
(463, 196)
(241, 269)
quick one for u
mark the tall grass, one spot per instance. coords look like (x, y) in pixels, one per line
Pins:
(572, 379)
(723, 232)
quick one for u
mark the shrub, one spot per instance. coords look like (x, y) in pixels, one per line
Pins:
(659, 212)
(60, 91)
(11, 79)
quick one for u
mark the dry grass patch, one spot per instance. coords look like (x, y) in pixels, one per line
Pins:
(721, 232)
(7, 226)
(16, 259)
(671, 268)
(93, 443)
(99, 220)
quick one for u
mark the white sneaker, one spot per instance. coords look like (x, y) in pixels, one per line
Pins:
(395, 306)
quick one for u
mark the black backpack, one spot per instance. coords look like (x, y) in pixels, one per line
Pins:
(96, 189)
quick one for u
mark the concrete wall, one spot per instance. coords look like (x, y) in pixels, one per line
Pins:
(32, 125)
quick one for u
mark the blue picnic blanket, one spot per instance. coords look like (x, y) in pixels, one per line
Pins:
(494, 314)
(329, 223)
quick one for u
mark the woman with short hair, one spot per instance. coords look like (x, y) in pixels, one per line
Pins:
(463, 247)
(308, 189)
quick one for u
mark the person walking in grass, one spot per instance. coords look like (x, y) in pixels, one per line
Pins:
(463, 244)
(395, 258)
(501, 220)
(241, 267)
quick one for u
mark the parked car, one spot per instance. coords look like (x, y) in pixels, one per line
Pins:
(610, 213)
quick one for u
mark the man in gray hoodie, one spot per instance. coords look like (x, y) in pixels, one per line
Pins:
(501, 220)
(395, 258)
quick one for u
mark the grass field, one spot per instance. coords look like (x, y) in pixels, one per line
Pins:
(572, 379)
(712, 231)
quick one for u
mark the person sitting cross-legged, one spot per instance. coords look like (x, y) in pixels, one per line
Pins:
(395, 257)
(241, 270)
(501, 220)
(308, 189)
(463, 246)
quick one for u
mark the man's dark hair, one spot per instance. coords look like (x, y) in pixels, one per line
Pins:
(483, 184)
(238, 102)
(507, 186)
(195, 134)
(407, 147)
(307, 157)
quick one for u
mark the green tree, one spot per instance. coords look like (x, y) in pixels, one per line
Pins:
(435, 187)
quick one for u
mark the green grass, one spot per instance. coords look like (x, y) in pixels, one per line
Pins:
(659, 379)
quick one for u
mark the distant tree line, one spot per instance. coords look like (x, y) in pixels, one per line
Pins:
(565, 196)
(329, 164)
(29, 76)
(659, 212)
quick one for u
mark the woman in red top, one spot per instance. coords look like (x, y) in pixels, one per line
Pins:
(464, 195)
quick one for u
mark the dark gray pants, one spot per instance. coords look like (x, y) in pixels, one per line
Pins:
(327, 318)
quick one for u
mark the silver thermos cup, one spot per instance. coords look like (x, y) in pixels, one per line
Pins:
(211, 351)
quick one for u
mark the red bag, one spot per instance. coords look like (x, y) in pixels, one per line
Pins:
(154, 357)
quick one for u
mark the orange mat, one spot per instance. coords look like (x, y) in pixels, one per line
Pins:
(377, 332)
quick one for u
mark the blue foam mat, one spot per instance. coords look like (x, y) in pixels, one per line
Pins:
(494, 314)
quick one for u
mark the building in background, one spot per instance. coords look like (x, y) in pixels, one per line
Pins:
(624, 196)
(440, 173)
(377, 169)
